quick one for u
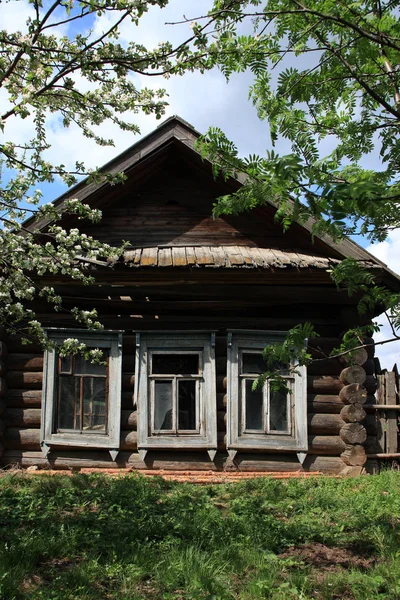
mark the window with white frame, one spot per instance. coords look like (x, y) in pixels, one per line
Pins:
(175, 390)
(263, 417)
(81, 399)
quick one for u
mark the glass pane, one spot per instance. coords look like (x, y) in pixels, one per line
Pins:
(175, 364)
(278, 410)
(94, 404)
(66, 364)
(187, 405)
(85, 367)
(162, 405)
(68, 414)
(253, 363)
(254, 407)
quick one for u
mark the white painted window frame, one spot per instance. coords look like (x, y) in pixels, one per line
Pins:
(174, 342)
(240, 341)
(106, 340)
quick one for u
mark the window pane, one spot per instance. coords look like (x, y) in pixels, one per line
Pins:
(94, 404)
(278, 410)
(85, 367)
(187, 405)
(175, 364)
(162, 405)
(68, 414)
(66, 364)
(253, 407)
(253, 363)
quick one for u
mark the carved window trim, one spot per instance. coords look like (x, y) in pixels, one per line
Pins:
(238, 438)
(110, 341)
(201, 343)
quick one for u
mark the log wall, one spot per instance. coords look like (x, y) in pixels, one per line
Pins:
(338, 427)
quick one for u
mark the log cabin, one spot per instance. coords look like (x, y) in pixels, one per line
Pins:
(187, 312)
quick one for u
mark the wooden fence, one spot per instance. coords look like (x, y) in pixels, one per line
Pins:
(388, 412)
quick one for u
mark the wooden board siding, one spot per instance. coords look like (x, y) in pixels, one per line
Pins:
(22, 415)
(175, 208)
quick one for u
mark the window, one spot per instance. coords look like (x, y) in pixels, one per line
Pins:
(175, 391)
(82, 400)
(263, 418)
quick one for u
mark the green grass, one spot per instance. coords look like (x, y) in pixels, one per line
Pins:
(131, 538)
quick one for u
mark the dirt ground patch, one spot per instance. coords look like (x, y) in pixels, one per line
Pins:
(319, 555)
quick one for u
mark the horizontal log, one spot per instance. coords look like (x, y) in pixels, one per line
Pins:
(22, 417)
(25, 362)
(2, 428)
(353, 413)
(129, 419)
(325, 366)
(353, 433)
(101, 459)
(222, 401)
(325, 445)
(3, 368)
(354, 455)
(3, 387)
(353, 374)
(27, 439)
(14, 344)
(127, 400)
(3, 350)
(24, 398)
(324, 424)
(353, 394)
(323, 384)
(322, 347)
(324, 403)
(323, 464)
(222, 382)
(162, 461)
(358, 357)
(221, 365)
(2, 407)
(382, 406)
(2, 449)
(128, 382)
(128, 363)
(24, 380)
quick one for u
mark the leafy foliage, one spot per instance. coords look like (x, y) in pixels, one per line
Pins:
(327, 80)
(61, 67)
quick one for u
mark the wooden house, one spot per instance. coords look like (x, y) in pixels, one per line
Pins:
(187, 312)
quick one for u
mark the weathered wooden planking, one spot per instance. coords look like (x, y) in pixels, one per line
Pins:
(391, 415)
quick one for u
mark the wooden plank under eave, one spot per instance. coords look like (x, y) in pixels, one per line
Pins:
(270, 257)
(235, 255)
(129, 256)
(179, 257)
(219, 256)
(136, 258)
(190, 256)
(164, 257)
(391, 415)
(203, 255)
(258, 258)
(247, 254)
(149, 257)
(282, 257)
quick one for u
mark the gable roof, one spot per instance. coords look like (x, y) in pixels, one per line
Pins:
(149, 149)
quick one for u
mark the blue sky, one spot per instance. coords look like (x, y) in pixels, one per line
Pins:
(202, 100)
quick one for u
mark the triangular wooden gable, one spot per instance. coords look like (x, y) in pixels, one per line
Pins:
(167, 201)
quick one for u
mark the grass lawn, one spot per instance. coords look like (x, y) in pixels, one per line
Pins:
(92, 537)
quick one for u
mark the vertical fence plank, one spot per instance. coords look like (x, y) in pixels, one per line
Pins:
(391, 415)
(380, 399)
